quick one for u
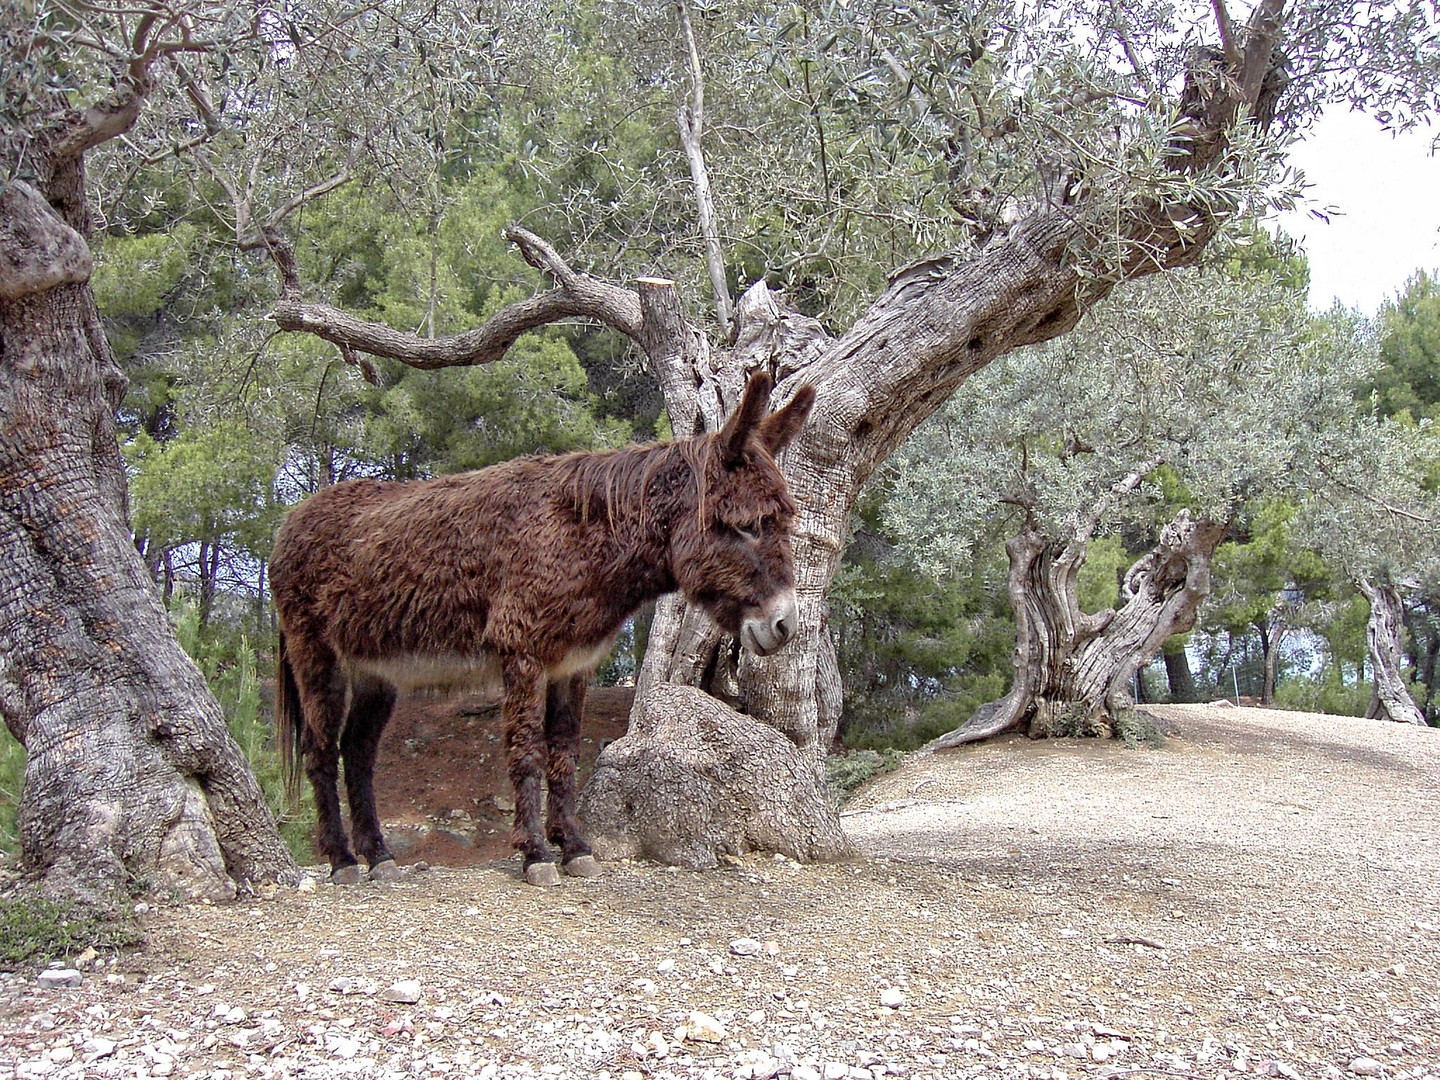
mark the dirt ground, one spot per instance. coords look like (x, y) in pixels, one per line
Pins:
(1256, 898)
(441, 786)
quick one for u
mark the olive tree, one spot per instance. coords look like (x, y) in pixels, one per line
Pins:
(1188, 398)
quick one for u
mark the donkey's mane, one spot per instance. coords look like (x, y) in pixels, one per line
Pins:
(618, 483)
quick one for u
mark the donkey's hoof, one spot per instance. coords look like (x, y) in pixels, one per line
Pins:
(542, 874)
(386, 870)
(354, 874)
(583, 866)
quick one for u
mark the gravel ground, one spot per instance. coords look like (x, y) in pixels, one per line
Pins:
(1258, 897)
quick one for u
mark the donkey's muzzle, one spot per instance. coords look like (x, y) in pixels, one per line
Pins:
(772, 626)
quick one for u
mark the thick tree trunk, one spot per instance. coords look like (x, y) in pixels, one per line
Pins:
(1273, 636)
(1391, 699)
(1072, 670)
(1178, 674)
(132, 779)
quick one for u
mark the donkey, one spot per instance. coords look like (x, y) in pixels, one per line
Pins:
(517, 577)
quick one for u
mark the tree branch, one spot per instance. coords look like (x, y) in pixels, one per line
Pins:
(578, 295)
(691, 123)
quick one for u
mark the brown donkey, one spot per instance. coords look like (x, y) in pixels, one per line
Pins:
(521, 575)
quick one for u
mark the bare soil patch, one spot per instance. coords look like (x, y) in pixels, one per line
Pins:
(441, 785)
(1258, 897)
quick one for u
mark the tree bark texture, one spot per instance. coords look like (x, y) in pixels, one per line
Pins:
(1179, 676)
(1391, 699)
(1073, 670)
(693, 781)
(132, 780)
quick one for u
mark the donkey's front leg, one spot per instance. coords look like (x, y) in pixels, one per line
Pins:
(523, 715)
(564, 703)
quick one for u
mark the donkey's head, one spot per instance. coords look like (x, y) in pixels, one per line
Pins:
(732, 556)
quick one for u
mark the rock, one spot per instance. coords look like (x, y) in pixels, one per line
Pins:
(892, 997)
(307, 884)
(1366, 1066)
(1101, 1052)
(805, 1072)
(665, 965)
(97, 1048)
(61, 1055)
(404, 992)
(657, 1045)
(746, 947)
(703, 1027)
(834, 1070)
(59, 977)
(235, 1016)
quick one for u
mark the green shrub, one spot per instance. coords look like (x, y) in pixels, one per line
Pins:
(1326, 694)
(35, 930)
(12, 777)
(229, 664)
(846, 771)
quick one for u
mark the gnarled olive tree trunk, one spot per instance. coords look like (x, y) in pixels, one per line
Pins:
(1072, 670)
(1391, 699)
(132, 780)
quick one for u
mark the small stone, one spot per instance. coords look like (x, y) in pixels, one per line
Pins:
(302, 991)
(665, 965)
(59, 977)
(647, 987)
(834, 1070)
(142, 908)
(62, 1054)
(86, 958)
(236, 1016)
(307, 884)
(163, 1065)
(805, 1072)
(892, 997)
(704, 1028)
(1033, 1045)
(1397, 968)
(404, 992)
(746, 947)
(97, 1048)
(657, 1045)
(1101, 1051)
(1366, 1066)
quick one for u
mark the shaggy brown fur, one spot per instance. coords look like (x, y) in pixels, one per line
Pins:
(521, 575)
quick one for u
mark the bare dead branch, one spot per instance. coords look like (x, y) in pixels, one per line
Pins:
(690, 120)
(578, 295)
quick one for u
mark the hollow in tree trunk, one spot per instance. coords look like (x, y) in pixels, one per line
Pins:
(1072, 670)
(1391, 698)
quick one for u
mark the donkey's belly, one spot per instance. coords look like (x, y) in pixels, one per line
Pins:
(435, 672)
(479, 674)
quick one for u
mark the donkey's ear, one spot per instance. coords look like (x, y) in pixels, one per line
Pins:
(779, 428)
(744, 419)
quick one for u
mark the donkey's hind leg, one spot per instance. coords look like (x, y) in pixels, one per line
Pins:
(371, 702)
(564, 704)
(322, 700)
(523, 715)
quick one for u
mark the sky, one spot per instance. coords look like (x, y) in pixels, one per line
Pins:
(1387, 191)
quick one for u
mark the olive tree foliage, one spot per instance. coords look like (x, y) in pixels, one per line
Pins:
(1372, 516)
(1202, 390)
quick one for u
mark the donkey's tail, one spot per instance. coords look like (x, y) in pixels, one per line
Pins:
(288, 720)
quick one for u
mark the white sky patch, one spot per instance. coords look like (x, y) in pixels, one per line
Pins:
(1386, 190)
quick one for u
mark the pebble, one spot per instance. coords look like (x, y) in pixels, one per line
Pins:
(746, 946)
(97, 1048)
(404, 992)
(805, 1072)
(892, 997)
(665, 965)
(1366, 1066)
(59, 977)
(704, 1028)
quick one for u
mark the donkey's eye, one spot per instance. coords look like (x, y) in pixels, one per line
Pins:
(751, 531)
